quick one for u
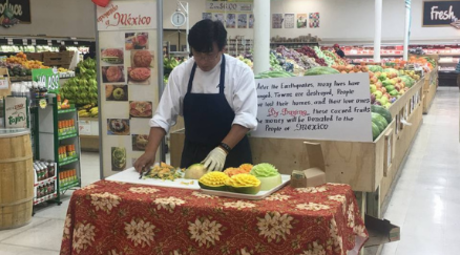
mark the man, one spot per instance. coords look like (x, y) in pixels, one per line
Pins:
(216, 94)
(339, 51)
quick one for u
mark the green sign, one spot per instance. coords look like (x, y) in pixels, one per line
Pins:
(46, 78)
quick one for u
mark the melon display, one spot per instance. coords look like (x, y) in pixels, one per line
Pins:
(246, 167)
(213, 181)
(234, 171)
(195, 171)
(268, 176)
(382, 111)
(243, 183)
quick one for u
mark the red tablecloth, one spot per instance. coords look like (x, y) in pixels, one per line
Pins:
(112, 218)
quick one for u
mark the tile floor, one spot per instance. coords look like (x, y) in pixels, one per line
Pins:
(425, 203)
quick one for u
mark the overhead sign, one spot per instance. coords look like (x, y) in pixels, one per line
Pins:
(327, 107)
(127, 15)
(13, 12)
(441, 13)
(235, 7)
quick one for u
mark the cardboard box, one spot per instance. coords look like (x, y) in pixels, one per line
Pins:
(315, 175)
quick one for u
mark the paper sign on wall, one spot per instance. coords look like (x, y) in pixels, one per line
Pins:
(126, 15)
(15, 112)
(329, 107)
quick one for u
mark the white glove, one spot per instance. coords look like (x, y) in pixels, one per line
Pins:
(215, 160)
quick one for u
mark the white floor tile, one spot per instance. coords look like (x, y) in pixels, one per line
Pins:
(6, 249)
(44, 236)
(36, 222)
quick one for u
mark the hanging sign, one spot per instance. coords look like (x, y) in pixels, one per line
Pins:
(46, 78)
(238, 7)
(326, 107)
(441, 13)
(127, 15)
(13, 12)
(16, 112)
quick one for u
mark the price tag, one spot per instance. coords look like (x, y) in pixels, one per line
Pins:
(24, 41)
(10, 41)
(4, 83)
(50, 43)
(76, 43)
(34, 42)
(62, 43)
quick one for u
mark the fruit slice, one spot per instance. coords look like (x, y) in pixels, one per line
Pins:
(243, 183)
(234, 171)
(213, 181)
(195, 171)
(246, 167)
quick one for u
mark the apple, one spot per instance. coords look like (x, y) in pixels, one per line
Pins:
(373, 88)
(378, 94)
(373, 98)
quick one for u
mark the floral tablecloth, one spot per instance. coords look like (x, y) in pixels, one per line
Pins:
(113, 218)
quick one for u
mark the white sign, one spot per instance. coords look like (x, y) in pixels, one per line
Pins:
(245, 7)
(4, 83)
(327, 107)
(127, 16)
(85, 128)
(15, 112)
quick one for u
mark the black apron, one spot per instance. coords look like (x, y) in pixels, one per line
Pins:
(208, 119)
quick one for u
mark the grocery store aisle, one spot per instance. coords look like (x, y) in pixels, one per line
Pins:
(43, 235)
(426, 199)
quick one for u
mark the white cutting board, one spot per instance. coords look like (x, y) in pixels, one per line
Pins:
(130, 175)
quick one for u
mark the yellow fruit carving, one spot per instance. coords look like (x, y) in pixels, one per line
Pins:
(214, 179)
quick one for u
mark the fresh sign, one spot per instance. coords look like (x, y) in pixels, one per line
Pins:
(441, 13)
(46, 78)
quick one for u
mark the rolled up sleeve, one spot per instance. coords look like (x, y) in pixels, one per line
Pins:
(245, 100)
(169, 106)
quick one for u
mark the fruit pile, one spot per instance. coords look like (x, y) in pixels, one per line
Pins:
(19, 65)
(246, 179)
(381, 117)
(89, 110)
(82, 89)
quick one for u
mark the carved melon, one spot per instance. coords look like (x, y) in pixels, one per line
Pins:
(243, 183)
(246, 167)
(213, 181)
(234, 171)
(195, 171)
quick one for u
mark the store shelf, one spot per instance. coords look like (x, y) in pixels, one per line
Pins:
(68, 161)
(67, 136)
(70, 185)
(46, 181)
(45, 198)
(67, 110)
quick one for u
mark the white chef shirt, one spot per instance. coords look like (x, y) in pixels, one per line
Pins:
(240, 92)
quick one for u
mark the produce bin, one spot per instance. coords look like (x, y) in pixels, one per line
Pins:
(429, 90)
(60, 59)
(359, 164)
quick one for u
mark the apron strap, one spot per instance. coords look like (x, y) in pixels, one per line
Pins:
(190, 81)
(222, 76)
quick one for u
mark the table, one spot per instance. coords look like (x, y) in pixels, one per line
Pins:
(114, 218)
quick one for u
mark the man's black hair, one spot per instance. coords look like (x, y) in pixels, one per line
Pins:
(204, 33)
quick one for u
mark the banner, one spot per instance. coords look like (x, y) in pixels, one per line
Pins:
(129, 88)
(327, 107)
(47, 78)
(13, 12)
(441, 13)
(125, 15)
(234, 7)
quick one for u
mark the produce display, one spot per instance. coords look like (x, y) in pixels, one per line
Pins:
(247, 61)
(321, 70)
(379, 123)
(164, 172)
(274, 74)
(83, 88)
(19, 66)
(169, 63)
(89, 110)
(267, 174)
(329, 61)
(309, 52)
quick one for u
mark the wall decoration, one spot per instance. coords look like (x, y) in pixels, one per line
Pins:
(118, 155)
(139, 142)
(314, 20)
(116, 93)
(302, 20)
(242, 20)
(207, 15)
(140, 109)
(137, 41)
(231, 20)
(118, 127)
(277, 20)
(441, 13)
(113, 74)
(289, 20)
(139, 75)
(219, 17)
(14, 12)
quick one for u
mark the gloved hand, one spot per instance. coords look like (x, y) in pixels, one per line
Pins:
(215, 160)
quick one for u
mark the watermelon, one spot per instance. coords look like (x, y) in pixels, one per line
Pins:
(382, 111)
(375, 131)
(380, 121)
(408, 81)
(387, 83)
(321, 70)
(274, 74)
(391, 70)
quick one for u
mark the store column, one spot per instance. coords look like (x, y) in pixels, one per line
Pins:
(378, 30)
(261, 35)
(407, 29)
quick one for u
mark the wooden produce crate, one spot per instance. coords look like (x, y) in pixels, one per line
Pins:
(35, 56)
(60, 59)
(429, 90)
(359, 164)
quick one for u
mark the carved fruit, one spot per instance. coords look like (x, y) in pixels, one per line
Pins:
(234, 171)
(213, 181)
(243, 183)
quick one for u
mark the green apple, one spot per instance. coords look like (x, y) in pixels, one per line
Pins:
(378, 94)
(373, 88)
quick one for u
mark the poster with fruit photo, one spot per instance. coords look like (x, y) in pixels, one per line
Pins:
(128, 80)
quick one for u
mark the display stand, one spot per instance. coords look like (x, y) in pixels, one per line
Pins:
(49, 139)
(429, 90)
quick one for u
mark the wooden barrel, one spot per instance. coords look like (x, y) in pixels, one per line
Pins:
(16, 178)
